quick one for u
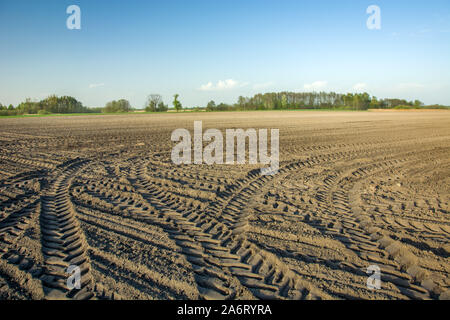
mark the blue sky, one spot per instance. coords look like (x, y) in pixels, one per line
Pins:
(220, 50)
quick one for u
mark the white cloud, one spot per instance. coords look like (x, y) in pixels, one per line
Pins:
(223, 85)
(315, 85)
(96, 85)
(360, 86)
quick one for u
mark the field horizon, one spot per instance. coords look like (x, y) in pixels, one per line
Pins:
(142, 112)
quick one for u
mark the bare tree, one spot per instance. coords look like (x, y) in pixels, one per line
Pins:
(153, 102)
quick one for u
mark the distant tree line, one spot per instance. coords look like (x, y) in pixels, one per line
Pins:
(266, 101)
(314, 100)
(7, 110)
(51, 104)
(155, 103)
(62, 105)
(66, 104)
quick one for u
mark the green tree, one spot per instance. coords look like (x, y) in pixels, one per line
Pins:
(211, 106)
(284, 101)
(242, 102)
(365, 101)
(356, 102)
(114, 106)
(28, 107)
(374, 103)
(223, 107)
(176, 103)
(348, 100)
(418, 103)
(162, 107)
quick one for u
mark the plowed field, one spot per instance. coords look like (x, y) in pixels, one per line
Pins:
(354, 189)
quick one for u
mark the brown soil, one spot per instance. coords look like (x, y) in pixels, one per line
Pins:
(100, 192)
